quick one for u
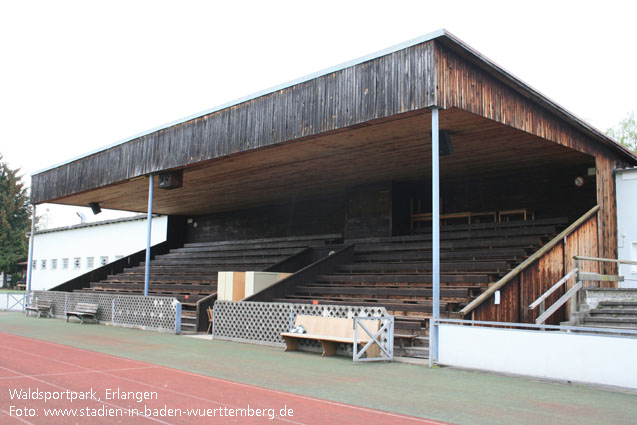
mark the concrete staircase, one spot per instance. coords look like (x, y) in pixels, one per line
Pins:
(609, 308)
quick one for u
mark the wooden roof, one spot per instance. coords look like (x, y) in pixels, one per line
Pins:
(364, 122)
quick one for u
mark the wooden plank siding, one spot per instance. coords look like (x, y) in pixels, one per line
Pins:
(532, 282)
(381, 88)
(464, 85)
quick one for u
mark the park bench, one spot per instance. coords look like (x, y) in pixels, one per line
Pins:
(330, 331)
(40, 307)
(83, 310)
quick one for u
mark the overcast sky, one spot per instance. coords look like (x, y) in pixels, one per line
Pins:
(79, 75)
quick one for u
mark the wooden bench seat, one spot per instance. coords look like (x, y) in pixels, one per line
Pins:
(466, 255)
(330, 331)
(408, 278)
(424, 267)
(424, 306)
(83, 311)
(40, 307)
(460, 244)
(379, 291)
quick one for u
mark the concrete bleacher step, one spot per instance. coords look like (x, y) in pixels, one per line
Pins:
(620, 313)
(611, 322)
(614, 313)
(618, 304)
(418, 352)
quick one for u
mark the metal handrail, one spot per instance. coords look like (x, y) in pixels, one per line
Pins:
(552, 289)
(605, 260)
(618, 331)
(575, 288)
(559, 303)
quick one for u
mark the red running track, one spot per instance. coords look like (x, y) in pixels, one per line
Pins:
(50, 375)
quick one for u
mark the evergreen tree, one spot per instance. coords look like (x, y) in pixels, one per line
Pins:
(15, 221)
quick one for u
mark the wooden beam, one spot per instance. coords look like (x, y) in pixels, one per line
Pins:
(539, 253)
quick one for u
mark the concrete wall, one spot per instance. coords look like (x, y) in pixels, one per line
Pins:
(597, 359)
(626, 184)
(113, 240)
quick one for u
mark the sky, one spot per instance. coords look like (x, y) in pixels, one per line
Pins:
(79, 75)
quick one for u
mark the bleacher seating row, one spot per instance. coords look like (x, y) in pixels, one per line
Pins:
(394, 272)
(189, 273)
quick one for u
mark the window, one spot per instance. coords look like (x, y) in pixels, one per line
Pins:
(103, 261)
(90, 262)
(34, 264)
(42, 264)
(54, 264)
(65, 263)
(119, 257)
(634, 256)
(76, 262)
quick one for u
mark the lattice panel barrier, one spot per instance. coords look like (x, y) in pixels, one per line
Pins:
(161, 314)
(261, 322)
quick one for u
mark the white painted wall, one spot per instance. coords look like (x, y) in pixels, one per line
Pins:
(112, 240)
(626, 185)
(597, 359)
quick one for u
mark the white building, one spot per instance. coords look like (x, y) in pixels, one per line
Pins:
(626, 186)
(67, 252)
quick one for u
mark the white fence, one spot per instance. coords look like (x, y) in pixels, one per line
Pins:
(161, 314)
(12, 301)
(570, 356)
(263, 322)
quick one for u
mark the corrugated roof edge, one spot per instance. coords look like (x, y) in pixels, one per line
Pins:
(518, 84)
(95, 223)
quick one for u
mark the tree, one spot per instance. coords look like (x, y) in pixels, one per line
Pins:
(625, 132)
(15, 221)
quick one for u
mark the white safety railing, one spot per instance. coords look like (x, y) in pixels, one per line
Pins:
(383, 339)
(161, 314)
(13, 301)
(573, 293)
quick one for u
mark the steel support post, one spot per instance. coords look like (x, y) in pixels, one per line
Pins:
(435, 238)
(148, 234)
(30, 260)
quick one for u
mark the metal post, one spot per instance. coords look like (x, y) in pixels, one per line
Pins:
(148, 234)
(30, 260)
(435, 238)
